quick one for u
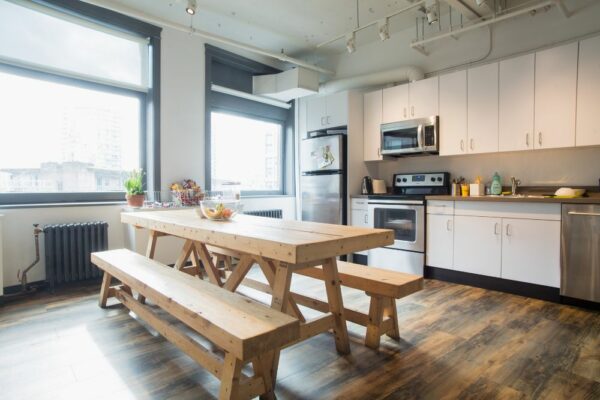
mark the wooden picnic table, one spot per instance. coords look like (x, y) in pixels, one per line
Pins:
(279, 247)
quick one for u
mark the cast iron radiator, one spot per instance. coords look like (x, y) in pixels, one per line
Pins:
(68, 248)
(275, 213)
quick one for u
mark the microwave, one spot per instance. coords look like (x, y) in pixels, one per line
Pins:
(415, 136)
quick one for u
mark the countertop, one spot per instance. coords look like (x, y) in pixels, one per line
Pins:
(594, 198)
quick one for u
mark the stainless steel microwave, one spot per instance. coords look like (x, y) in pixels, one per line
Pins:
(414, 136)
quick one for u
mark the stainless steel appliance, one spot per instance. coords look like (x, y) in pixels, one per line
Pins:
(323, 178)
(416, 136)
(404, 213)
(580, 252)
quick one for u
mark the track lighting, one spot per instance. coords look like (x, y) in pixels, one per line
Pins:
(480, 2)
(191, 7)
(383, 27)
(351, 42)
(431, 10)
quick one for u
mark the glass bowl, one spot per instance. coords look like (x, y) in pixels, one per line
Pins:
(220, 209)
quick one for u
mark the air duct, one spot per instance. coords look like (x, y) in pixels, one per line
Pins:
(396, 75)
(288, 85)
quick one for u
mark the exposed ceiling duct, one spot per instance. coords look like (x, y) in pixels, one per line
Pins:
(396, 75)
(287, 85)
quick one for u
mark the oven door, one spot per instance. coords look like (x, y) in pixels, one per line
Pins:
(400, 138)
(406, 220)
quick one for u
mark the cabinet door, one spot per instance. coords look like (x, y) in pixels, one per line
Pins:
(395, 104)
(315, 113)
(555, 96)
(478, 245)
(531, 251)
(337, 110)
(423, 97)
(517, 91)
(371, 126)
(588, 93)
(361, 218)
(440, 240)
(453, 113)
(482, 109)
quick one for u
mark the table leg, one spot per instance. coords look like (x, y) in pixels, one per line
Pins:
(268, 269)
(238, 275)
(150, 250)
(336, 305)
(209, 266)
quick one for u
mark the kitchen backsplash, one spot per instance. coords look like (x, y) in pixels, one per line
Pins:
(534, 168)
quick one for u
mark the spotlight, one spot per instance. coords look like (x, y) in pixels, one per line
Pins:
(384, 29)
(351, 42)
(431, 10)
(191, 7)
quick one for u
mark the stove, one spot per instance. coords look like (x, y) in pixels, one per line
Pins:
(403, 211)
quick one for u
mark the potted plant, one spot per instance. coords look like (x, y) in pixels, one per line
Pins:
(134, 187)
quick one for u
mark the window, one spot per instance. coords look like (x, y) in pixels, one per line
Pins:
(248, 151)
(78, 102)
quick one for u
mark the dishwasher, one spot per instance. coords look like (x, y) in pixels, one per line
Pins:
(580, 252)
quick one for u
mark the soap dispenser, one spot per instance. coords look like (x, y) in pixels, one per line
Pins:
(496, 188)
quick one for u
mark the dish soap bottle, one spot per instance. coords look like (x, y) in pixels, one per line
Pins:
(496, 188)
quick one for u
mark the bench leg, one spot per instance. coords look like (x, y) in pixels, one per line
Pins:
(373, 336)
(230, 378)
(104, 290)
(262, 368)
(390, 311)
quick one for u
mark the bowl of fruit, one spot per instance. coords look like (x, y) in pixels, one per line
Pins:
(219, 209)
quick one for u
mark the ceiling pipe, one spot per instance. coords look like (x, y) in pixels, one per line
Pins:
(209, 36)
(396, 75)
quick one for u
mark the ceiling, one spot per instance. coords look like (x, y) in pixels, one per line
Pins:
(294, 26)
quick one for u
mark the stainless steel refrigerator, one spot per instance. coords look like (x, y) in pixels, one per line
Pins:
(323, 179)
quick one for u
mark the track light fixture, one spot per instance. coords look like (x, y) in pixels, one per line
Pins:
(191, 7)
(351, 42)
(480, 2)
(383, 27)
(431, 11)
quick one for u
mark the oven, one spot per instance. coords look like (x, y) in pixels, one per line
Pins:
(410, 137)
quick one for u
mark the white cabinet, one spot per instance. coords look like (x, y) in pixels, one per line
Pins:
(516, 103)
(482, 109)
(327, 111)
(360, 216)
(555, 96)
(395, 104)
(372, 103)
(531, 251)
(478, 245)
(587, 132)
(423, 97)
(440, 236)
(453, 113)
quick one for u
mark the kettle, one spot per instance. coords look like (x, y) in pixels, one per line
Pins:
(367, 185)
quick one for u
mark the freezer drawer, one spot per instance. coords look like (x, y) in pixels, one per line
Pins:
(322, 198)
(580, 252)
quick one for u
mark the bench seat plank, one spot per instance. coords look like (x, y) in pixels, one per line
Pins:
(235, 323)
(383, 282)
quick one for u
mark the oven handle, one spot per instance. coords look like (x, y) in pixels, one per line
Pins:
(394, 203)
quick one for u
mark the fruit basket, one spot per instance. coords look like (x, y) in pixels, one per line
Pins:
(186, 193)
(220, 209)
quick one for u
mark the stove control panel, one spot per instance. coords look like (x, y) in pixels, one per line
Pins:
(416, 180)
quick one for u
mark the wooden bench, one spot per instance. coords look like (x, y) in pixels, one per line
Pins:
(384, 286)
(246, 330)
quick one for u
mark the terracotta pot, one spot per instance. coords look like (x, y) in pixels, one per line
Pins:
(135, 200)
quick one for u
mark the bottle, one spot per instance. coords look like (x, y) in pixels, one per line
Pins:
(496, 188)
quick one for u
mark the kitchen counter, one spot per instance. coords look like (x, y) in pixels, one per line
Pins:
(594, 198)
(359, 196)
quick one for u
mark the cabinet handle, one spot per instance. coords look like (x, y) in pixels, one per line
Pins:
(471, 144)
(540, 138)
(508, 230)
(322, 123)
(496, 226)
(412, 111)
(589, 214)
(527, 139)
(366, 218)
(328, 119)
(462, 145)
(378, 152)
(449, 225)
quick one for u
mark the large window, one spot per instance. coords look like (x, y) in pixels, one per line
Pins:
(248, 151)
(77, 101)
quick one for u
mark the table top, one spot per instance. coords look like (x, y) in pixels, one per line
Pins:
(289, 241)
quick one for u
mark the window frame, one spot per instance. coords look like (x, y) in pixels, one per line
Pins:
(281, 123)
(149, 101)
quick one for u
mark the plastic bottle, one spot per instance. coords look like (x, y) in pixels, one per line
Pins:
(496, 188)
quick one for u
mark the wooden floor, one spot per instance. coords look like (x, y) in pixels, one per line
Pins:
(457, 342)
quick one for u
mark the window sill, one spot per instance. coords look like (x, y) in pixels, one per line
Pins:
(52, 205)
(267, 196)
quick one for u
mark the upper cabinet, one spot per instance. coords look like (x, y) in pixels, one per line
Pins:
(555, 97)
(482, 109)
(516, 103)
(373, 106)
(588, 93)
(329, 111)
(423, 97)
(453, 113)
(395, 104)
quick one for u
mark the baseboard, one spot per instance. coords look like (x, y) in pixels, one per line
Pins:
(579, 303)
(488, 282)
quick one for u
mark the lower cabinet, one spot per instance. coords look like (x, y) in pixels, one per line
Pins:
(531, 251)
(440, 233)
(478, 245)
(360, 216)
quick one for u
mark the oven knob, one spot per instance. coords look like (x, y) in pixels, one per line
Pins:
(439, 179)
(432, 179)
(403, 179)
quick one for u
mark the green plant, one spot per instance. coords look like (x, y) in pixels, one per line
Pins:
(134, 184)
